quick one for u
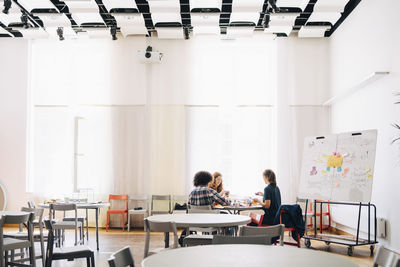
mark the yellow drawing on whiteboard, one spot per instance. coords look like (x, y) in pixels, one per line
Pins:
(335, 161)
(369, 176)
(367, 169)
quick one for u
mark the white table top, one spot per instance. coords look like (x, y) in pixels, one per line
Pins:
(245, 255)
(202, 220)
(81, 205)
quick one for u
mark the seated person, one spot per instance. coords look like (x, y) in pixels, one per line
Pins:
(271, 197)
(202, 195)
(217, 185)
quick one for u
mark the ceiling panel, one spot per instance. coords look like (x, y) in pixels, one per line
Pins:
(292, 3)
(13, 16)
(110, 4)
(313, 31)
(247, 5)
(170, 32)
(196, 4)
(244, 17)
(235, 32)
(54, 20)
(131, 24)
(4, 31)
(331, 17)
(36, 4)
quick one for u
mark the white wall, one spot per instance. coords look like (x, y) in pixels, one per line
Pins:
(366, 42)
(303, 79)
(13, 118)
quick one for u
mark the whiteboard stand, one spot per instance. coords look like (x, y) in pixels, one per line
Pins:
(343, 240)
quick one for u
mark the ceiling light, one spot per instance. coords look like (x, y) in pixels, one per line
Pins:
(7, 6)
(60, 32)
(113, 31)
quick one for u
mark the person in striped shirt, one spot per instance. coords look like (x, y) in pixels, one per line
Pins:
(202, 195)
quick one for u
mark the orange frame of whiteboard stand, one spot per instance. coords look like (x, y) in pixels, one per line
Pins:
(322, 214)
(118, 211)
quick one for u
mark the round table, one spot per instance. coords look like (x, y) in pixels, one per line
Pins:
(245, 255)
(13, 213)
(238, 209)
(202, 220)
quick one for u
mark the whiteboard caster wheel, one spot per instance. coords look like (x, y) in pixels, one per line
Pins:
(350, 251)
(308, 243)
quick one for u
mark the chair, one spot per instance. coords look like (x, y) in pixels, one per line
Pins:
(195, 207)
(326, 213)
(269, 231)
(61, 226)
(121, 258)
(31, 204)
(141, 207)
(181, 200)
(290, 229)
(37, 236)
(164, 227)
(386, 258)
(256, 218)
(10, 244)
(251, 240)
(80, 218)
(65, 253)
(117, 211)
(160, 198)
(203, 239)
(310, 213)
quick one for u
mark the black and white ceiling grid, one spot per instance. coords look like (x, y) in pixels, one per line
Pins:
(171, 19)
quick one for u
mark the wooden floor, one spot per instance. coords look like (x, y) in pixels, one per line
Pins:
(116, 239)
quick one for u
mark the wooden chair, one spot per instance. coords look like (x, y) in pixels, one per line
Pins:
(160, 198)
(269, 231)
(37, 236)
(121, 258)
(141, 207)
(65, 253)
(251, 240)
(386, 258)
(122, 212)
(61, 226)
(163, 227)
(10, 244)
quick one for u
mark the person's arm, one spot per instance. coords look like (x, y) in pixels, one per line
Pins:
(267, 199)
(218, 198)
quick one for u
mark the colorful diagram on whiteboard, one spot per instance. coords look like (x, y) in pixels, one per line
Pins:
(338, 167)
(335, 161)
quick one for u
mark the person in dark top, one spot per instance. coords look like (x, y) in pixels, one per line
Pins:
(271, 197)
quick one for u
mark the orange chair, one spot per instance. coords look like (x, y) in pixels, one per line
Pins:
(256, 218)
(324, 213)
(290, 229)
(122, 212)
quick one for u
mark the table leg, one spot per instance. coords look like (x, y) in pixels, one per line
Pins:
(166, 239)
(97, 227)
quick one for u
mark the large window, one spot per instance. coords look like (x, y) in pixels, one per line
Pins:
(237, 142)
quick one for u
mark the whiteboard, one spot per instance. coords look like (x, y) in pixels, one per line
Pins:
(338, 167)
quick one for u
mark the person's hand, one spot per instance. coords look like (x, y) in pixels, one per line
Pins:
(259, 194)
(256, 200)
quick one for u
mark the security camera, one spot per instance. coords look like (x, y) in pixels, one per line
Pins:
(149, 56)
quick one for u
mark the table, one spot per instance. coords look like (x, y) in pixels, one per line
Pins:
(237, 210)
(245, 255)
(202, 220)
(87, 206)
(13, 213)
